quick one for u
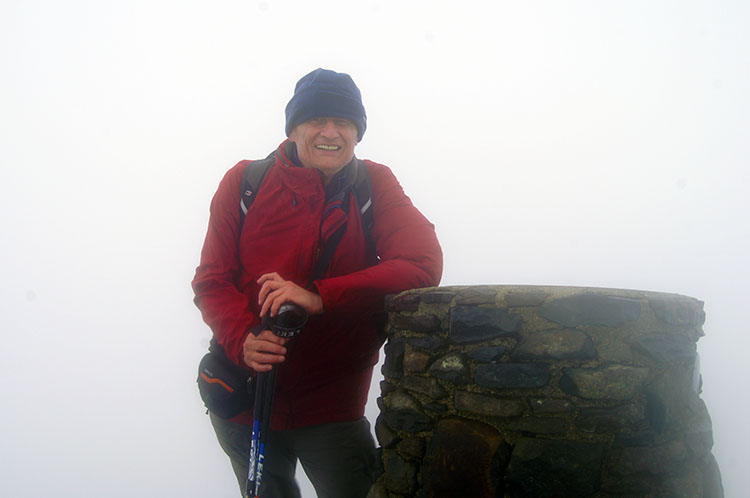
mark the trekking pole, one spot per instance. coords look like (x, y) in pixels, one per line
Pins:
(287, 323)
(264, 424)
(255, 439)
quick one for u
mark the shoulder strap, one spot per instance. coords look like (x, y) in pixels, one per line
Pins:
(362, 191)
(252, 177)
(363, 195)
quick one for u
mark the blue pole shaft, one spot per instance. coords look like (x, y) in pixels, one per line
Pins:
(255, 440)
(270, 381)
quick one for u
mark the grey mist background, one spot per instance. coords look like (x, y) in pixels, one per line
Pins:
(567, 143)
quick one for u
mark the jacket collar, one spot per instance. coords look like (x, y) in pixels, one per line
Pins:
(341, 182)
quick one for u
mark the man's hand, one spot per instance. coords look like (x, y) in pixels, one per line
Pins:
(276, 291)
(263, 351)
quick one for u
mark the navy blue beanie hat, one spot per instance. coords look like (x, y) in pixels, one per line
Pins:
(326, 94)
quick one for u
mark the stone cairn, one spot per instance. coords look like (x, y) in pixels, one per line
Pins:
(524, 391)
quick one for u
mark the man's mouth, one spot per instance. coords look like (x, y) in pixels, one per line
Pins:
(327, 147)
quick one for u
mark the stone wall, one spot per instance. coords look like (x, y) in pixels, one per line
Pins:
(521, 391)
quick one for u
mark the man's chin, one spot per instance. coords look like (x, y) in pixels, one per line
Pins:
(328, 168)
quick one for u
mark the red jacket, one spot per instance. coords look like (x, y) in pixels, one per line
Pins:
(327, 371)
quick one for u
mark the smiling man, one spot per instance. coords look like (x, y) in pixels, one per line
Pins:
(304, 240)
(326, 144)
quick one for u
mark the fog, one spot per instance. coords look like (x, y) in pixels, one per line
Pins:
(565, 143)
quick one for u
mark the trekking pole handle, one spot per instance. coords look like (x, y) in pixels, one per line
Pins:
(288, 322)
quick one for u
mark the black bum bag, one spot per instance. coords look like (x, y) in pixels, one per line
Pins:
(226, 389)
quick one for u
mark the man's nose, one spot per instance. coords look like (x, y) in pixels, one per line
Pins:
(329, 129)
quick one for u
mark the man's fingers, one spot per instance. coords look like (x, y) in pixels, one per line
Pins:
(273, 301)
(270, 348)
(264, 358)
(287, 291)
(269, 336)
(263, 351)
(273, 276)
(268, 286)
(269, 342)
(276, 304)
(268, 282)
(265, 364)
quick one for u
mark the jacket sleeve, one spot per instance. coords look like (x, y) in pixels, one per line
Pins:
(223, 306)
(406, 243)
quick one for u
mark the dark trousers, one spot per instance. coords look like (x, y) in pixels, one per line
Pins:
(338, 458)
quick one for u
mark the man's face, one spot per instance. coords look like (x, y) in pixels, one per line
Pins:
(326, 144)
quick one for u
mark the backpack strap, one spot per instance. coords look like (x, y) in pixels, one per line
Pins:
(362, 191)
(252, 177)
(255, 171)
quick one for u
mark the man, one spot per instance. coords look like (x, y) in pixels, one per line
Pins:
(247, 272)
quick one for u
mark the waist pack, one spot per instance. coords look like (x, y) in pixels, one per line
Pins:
(226, 389)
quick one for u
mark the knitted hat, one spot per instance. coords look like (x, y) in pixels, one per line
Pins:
(326, 94)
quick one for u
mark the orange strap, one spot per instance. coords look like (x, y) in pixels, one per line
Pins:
(213, 380)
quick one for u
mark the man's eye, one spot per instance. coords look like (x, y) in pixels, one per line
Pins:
(341, 122)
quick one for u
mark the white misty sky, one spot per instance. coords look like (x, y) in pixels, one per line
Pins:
(567, 143)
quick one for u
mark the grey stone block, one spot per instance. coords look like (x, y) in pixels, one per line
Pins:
(681, 312)
(400, 475)
(424, 385)
(656, 411)
(512, 375)
(414, 361)
(666, 347)
(438, 297)
(546, 406)
(591, 309)
(470, 324)
(386, 437)
(563, 344)
(711, 477)
(699, 443)
(436, 409)
(416, 323)
(487, 405)
(402, 302)
(450, 367)
(552, 468)
(411, 448)
(401, 400)
(476, 295)
(386, 387)
(537, 425)
(654, 459)
(406, 420)
(513, 299)
(393, 366)
(609, 420)
(487, 354)
(639, 437)
(616, 382)
(686, 483)
(428, 342)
